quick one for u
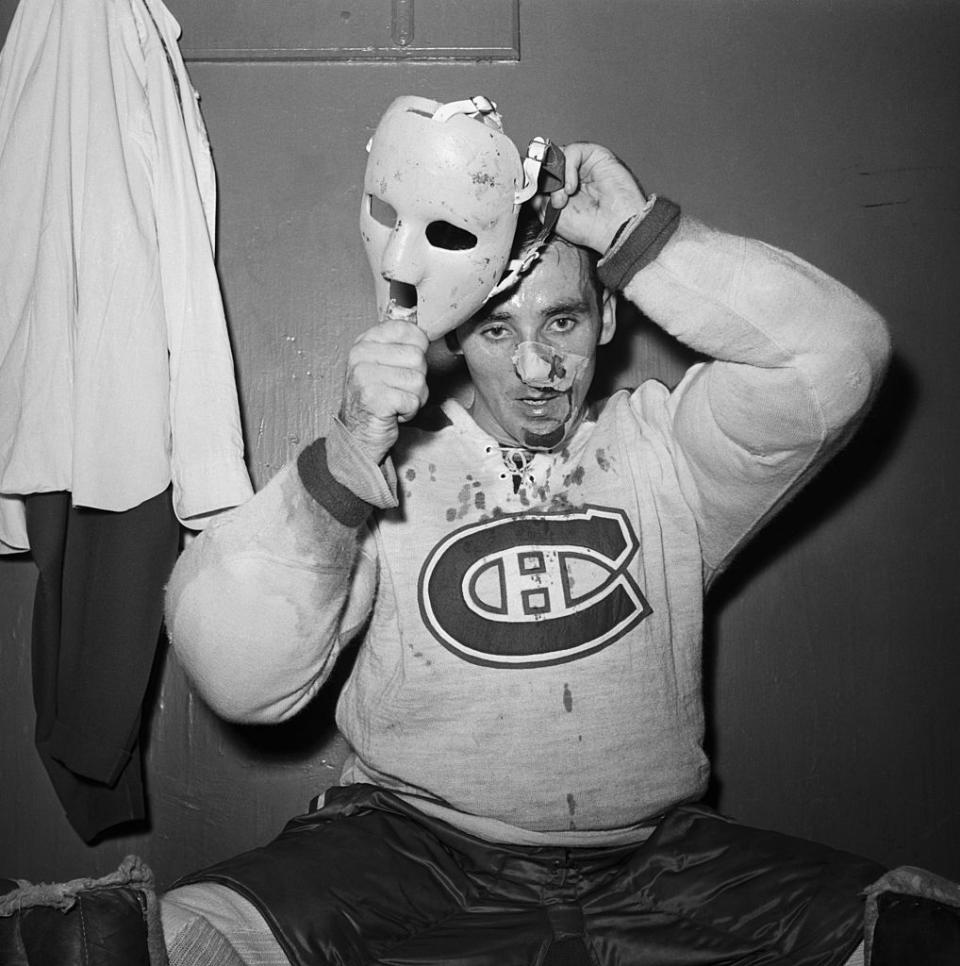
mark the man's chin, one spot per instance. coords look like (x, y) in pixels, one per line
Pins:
(546, 435)
(542, 433)
(546, 430)
(544, 440)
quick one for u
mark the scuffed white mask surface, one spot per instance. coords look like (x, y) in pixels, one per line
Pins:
(439, 210)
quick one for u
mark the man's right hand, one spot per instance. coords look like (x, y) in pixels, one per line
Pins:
(386, 384)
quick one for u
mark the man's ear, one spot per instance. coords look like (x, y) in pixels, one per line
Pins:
(608, 317)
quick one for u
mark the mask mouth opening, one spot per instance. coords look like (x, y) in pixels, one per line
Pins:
(403, 295)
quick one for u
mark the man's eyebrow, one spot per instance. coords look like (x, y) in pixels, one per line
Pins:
(571, 307)
(495, 315)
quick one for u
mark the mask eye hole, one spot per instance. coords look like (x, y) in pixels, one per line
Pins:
(441, 234)
(382, 212)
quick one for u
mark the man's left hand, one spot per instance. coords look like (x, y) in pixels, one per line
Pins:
(598, 195)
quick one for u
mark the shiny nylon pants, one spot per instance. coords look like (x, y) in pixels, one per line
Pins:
(367, 879)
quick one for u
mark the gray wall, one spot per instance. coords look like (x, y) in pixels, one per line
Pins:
(829, 128)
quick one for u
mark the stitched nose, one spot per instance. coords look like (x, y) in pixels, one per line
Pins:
(543, 366)
(535, 363)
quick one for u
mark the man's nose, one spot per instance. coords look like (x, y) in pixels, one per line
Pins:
(532, 363)
(403, 259)
(543, 366)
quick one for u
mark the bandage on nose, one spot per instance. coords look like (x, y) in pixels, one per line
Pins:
(543, 366)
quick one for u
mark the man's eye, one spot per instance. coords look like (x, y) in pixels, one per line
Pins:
(563, 324)
(495, 332)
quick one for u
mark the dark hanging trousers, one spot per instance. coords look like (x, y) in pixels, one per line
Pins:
(96, 625)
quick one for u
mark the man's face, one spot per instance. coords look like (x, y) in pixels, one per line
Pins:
(556, 308)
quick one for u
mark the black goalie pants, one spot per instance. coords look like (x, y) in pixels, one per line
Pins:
(367, 879)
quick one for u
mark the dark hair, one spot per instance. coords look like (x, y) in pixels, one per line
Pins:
(528, 231)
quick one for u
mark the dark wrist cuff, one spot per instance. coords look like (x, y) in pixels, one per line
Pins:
(641, 246)
(340, 502)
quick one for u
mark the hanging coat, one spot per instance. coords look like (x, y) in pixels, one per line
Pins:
(116, 374)
(118, 405)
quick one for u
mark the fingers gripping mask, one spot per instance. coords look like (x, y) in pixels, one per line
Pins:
(442, 190)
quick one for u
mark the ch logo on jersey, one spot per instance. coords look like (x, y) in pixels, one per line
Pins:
(531, 589)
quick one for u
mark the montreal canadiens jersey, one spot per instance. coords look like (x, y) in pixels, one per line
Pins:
(534, 651)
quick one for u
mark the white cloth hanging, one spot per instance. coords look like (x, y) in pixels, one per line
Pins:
(116, 373)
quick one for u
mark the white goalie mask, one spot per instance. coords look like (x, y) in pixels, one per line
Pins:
(442, 191)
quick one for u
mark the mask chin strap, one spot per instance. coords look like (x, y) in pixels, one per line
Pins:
(479, 107)
(543, 170)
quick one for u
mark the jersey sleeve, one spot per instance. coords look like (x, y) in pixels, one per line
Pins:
(261, 604)
(794, 360)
